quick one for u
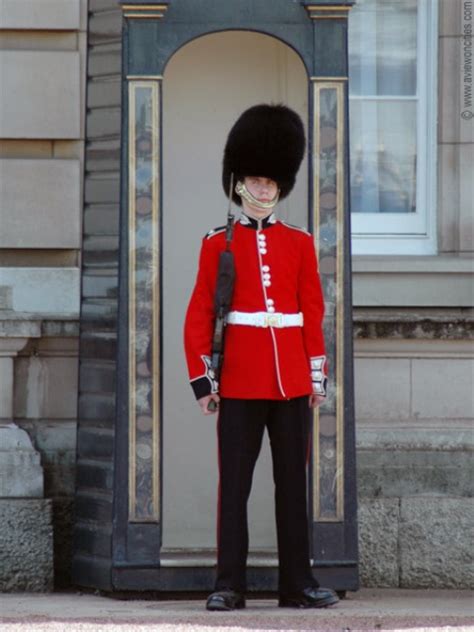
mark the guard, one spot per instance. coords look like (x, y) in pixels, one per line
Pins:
(274, 363)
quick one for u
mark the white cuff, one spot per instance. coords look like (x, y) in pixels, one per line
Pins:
(318, 375)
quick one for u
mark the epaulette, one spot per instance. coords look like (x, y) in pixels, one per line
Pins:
(302, 230)
(214, 231)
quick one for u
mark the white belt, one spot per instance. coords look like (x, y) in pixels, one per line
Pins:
(265, 319)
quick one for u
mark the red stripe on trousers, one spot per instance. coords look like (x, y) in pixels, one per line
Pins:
(218, 521)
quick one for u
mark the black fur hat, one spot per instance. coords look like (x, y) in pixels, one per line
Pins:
(266, 141)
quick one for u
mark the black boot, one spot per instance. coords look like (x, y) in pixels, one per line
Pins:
(225, 600)
(309, 598)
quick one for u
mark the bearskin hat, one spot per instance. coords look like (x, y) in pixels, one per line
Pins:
(266, 141)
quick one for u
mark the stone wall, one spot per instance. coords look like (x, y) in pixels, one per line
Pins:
(414, 411)
(414, 371)
(42, 119)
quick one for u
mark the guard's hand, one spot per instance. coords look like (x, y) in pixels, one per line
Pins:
(315, 400)
(204, 404)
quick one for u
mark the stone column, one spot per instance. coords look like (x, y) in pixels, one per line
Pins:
(21, 474)
(26, 543)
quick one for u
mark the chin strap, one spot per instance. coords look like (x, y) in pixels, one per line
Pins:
(244, 193)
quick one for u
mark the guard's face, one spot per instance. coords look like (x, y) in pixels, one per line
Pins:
(264, 189)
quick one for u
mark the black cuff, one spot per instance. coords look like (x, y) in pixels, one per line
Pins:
(201, 387)
(320, 387)
(207, 383)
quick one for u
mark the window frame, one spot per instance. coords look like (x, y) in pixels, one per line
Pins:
(411, 233)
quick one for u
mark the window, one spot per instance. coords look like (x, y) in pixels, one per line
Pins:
(392, 99)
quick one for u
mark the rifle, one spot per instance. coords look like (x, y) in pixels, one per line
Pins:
(223, 295)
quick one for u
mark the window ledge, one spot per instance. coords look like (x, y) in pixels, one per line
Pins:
(412, 264)
(412, 281)
(20, 324)
(401, 330)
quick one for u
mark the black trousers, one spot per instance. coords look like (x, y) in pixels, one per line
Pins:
(240, 427)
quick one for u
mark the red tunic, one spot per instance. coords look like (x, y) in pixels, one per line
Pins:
(276, 272)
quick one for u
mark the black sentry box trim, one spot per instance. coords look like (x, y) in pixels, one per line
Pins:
(121, 491)
(290, 23)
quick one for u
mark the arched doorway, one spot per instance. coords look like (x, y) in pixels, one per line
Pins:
(206, 85)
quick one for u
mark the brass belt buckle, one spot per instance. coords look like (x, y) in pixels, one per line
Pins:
(274, 320)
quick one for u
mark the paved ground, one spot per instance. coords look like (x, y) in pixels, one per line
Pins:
(381, 609)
